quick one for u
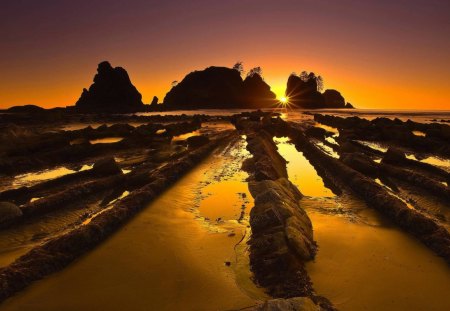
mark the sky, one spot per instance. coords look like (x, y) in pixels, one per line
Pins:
(378, 54)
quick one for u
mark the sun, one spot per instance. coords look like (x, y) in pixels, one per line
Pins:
(283, 100)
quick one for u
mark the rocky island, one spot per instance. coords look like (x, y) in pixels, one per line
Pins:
(111, 92)
(303, 91)
(220, 88)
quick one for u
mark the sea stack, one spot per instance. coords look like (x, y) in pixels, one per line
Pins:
(303, 91)
(219, 88)
(111, 92)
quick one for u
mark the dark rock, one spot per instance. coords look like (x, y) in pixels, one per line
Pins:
(268, 163)
(394, 155)
(304, 94)
(9, 212)
(154, 101)
(333, 99)
(106, 166)
(26, 109)
(349, 106)
(111, 92)
(348, 147)
(197, 141)
(257, 93)
(219, 87)
(361, 163)
(316, 132)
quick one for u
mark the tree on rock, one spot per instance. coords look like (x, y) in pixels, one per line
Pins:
(255, 71)
(239, 67)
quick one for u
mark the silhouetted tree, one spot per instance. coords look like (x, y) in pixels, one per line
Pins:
(319, 81)
(306, 76)
(239, 67)
(255, 71)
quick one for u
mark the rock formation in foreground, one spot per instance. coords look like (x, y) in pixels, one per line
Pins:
(303, 92)
(112, 91)
(220, 87)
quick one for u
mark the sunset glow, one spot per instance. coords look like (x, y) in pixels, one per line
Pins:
(225, 155)
(358, 47)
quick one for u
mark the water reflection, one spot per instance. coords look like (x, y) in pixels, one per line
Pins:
(106, 140)
(186, 136)
(419, 133)
(373, 145)
(433, 160)
(165, 258)
(357, 246)
(301, 172)
(361, 267)
(30, 178)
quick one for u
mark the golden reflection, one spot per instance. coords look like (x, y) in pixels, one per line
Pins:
(25, 179)
(300, 171)
(186, 136)
(385, 256)
(106, 140)
(436, 161)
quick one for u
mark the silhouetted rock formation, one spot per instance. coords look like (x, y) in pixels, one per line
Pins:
(219, 87)
(154, 101)
(26, 109)
(333, 99)
(257, 93)
(303, 92)
(112, 91)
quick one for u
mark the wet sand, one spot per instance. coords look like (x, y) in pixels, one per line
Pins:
(361, 267)
(187, 250)
(363, 261)
(167, 258)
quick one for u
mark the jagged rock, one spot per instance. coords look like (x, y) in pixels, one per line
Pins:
(112, 91)
(219, 87)
(9, 212)
(154, 101)
(106, 166)
(349, 106)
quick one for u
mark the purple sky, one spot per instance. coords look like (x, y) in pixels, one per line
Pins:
(379, 54)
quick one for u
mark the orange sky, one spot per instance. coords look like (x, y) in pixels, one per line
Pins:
(377, 54)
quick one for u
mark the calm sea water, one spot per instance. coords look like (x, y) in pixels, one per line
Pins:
(299, 114)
